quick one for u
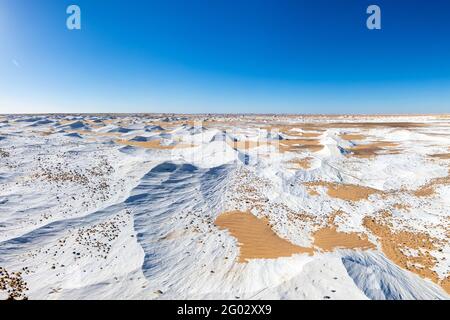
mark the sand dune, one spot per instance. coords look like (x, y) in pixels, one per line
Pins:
(156, 206)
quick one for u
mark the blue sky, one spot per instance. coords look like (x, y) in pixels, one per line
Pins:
(223, 56)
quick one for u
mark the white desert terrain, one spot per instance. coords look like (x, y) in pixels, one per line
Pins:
(159, 206)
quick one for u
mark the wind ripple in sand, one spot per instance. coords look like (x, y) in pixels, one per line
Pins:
(176, 197)
(255, 237)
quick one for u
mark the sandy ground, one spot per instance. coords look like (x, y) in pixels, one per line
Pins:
(347, 192)
(224, 206)
(255, 237)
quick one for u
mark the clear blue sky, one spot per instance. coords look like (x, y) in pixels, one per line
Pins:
(220, 56)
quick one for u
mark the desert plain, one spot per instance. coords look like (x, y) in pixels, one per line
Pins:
(173, 206)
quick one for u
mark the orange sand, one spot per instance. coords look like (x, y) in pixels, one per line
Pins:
(348, 192)
(293, 145)
(304, 163)
(394, 245)
(255, 237)
(373, 149)
(441, 156)
(329, 238)
(428, 189)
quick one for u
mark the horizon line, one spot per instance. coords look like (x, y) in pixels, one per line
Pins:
(223, 114)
